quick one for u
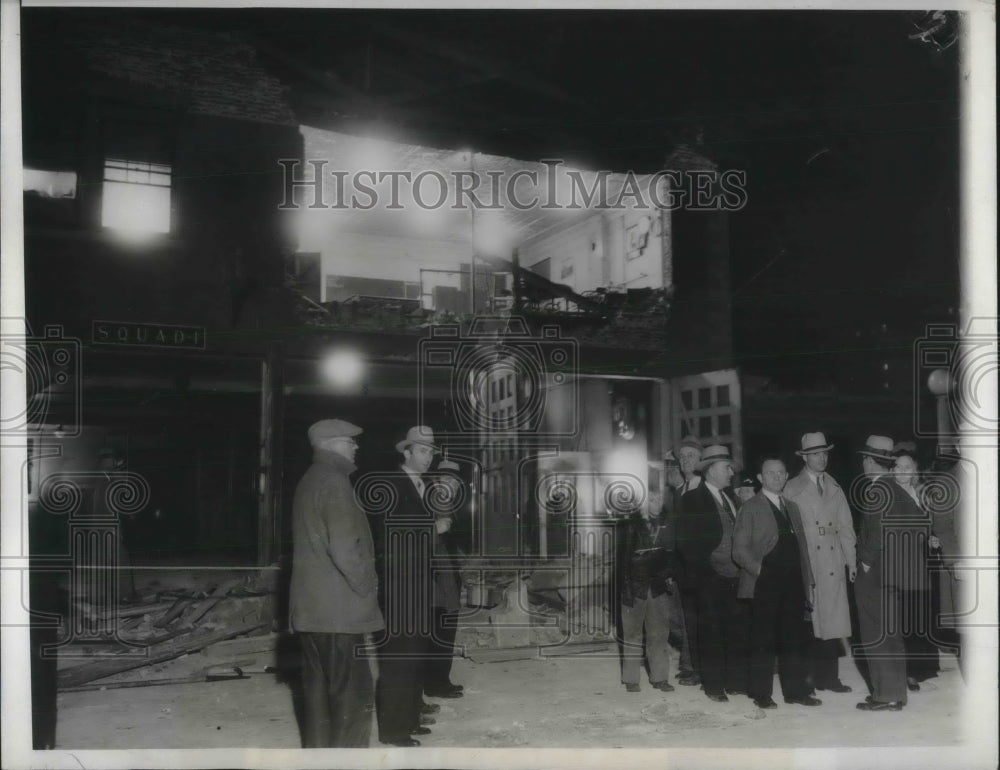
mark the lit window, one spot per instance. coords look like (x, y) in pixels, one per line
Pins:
(136, 196)
(50, 184)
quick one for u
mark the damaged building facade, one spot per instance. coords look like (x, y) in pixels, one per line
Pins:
(194, 321)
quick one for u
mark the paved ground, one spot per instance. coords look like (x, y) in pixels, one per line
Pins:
(561, 702)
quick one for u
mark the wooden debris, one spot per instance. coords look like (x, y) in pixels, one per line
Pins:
(88, 672)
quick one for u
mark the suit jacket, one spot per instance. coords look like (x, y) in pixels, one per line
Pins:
(699, 532)
(893, 536)
(404, 543)
(755, 537)
(643, 572)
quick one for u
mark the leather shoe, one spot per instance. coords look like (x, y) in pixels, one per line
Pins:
(429, 708)
(735, 691)
(912, 685)
(765, 703)
(878, 705)
(420, 731)
(451, 692)
(426, 720)
(404, 742)
(663, 686)
(835, 687)
(805, 700)
(688, 679)
(632, 687)
(718, 697)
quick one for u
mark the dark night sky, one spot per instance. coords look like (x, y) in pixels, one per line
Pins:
(847, 129)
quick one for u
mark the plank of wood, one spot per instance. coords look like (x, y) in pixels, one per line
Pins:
(174, 612)
(88, 672)
(501, 654)
(194, 615)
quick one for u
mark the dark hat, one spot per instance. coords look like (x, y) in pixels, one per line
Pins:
(418, 434)
(670, 461)
(905, 448)
(744, 480)
(324, 429)
(879, 447)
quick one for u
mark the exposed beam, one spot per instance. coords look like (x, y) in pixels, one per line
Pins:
(529, 81)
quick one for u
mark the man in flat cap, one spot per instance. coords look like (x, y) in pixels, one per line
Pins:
(333, 602)
(405, 538)
(705, 542)
(829, 533)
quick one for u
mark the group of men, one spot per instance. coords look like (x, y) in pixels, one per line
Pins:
(746, 580)
(743, 579)
(363, 580)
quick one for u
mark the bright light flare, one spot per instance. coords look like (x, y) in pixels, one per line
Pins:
(342, 368)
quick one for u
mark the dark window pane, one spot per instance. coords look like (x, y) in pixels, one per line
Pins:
(493, 390)
(687, 397)
(685, 429)
(722, 395)
(704, 426)
(704, 398)
(725, 424)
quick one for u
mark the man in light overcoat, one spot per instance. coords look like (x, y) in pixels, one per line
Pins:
(829, 533)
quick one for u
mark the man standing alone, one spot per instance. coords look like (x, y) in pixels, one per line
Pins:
(333, 593)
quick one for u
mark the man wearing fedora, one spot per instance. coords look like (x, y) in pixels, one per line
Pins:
(405, 538)
(775, 576)
(332, 600)
(878, 586)
(705, 544)
(830, 541)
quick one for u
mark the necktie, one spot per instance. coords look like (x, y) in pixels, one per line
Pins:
(784, 512)
(727, 504)
(819, 485)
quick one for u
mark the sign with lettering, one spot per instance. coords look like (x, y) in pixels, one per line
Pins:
(148, 335)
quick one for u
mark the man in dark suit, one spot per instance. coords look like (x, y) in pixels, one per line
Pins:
(405, 538)
(445, 498)
(705, 545)
(885, 556)
(769, 545)
(686, 671)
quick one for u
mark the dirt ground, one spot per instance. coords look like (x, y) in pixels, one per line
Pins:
(572, 701)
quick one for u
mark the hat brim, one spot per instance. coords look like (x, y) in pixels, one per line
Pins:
(401, 445)
(703, 464)
(813, 450)
(877, 454)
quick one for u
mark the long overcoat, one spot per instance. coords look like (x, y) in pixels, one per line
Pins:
(831, 545)
(333, 586)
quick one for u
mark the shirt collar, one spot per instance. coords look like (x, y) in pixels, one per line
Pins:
(333, 459)
(414, 476)
(776, 499)
(814, 476)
